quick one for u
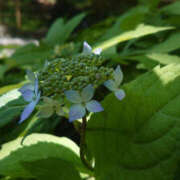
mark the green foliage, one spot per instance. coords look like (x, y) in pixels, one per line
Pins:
(137, 138)
(140, 31)
(172, 8)
(10, 111)
(34, 157)
(60, 32)
(170, 44)
(32, 54)
(44, 169)
(127, 21)
(164, 58)
(150, 3)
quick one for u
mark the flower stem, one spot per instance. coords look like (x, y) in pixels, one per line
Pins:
(83, 145)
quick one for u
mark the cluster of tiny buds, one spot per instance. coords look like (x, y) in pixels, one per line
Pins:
(74, 73)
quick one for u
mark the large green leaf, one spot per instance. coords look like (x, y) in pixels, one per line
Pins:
(59, 32)
(44, 169)
(37, 151)
(136, 138)
(140, 31)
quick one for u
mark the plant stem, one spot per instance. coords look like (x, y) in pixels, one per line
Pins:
(83, 145)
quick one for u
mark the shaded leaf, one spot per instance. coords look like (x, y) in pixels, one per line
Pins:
(137, 138)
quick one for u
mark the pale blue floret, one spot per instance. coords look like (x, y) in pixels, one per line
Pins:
(113, 85)
(82, 102)
(88, 49)
(30, 94)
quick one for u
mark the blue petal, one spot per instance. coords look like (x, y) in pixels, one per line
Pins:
(31, 75)
(26, 87)
(118, 76)
(73, 96)
(120, 94)
(87, 93)
(76, 112)
(27, 111)
(28, 95)
(110, 84)
(86, 48)
(97, 51)
(94, 106)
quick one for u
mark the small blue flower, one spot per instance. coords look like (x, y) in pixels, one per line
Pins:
(30, 94)
(88, 49)
(113, 85)
(82, 101)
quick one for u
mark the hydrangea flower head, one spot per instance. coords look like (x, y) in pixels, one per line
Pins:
(113, 85)
(30, 94)
(82, 102)
(88, 49)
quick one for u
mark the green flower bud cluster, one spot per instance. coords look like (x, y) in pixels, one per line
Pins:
(73, 73)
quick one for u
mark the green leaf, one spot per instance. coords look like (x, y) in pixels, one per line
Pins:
(31, 54)
(10, 111)
(3, 69)
(170, 44)
(60, 32)
(150, 3)
(140, 31)
(55, 32)
(136, 138)
(44, 169)
(164, 58)
(9, 96)
(37, 151)
(172, 9)
(7, 88)
(128, 21)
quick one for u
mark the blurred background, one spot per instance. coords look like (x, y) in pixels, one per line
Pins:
(31, 18)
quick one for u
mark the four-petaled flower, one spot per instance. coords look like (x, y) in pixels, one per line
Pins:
(30, 94)
(88, 49)
(82, 101)
(113, 85)
(49, 107)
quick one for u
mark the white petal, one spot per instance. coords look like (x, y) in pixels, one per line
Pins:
(86, 48)
(97, 51)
